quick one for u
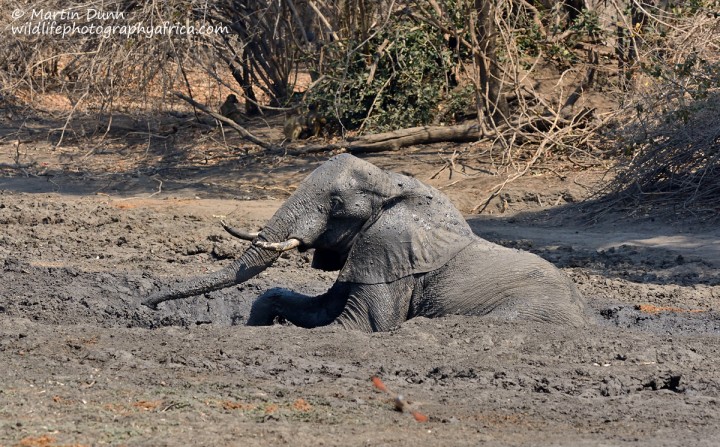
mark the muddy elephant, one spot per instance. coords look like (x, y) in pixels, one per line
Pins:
(402, 250)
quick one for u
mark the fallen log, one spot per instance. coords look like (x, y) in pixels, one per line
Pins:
(396, 139)
(390, 141)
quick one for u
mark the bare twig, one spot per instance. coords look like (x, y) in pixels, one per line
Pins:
(495, 190)
(69, 117)
(324, 20)
(241, 130)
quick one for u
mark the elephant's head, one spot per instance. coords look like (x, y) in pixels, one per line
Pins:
(373, 225)
(388, 225)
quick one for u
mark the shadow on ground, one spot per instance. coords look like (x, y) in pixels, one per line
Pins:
(639, 250)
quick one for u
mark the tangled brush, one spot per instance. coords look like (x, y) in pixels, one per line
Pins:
(670, 131)
(677, 168)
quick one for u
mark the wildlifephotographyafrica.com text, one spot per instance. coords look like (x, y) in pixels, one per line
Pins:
(67, 23)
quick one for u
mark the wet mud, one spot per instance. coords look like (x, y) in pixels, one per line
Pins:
(84, 364)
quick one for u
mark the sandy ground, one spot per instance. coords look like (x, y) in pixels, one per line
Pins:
(83, 364)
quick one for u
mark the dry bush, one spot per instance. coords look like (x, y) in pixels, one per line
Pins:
(545, 66)
(669, 139)
(98, 72)
(548, 67)
(533, 68)
(677, 168)
(266, 44)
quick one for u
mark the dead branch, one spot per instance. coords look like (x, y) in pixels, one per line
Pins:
(495, 190)
(19, 166)
(324, 21)
(461, 133)
(241, 130)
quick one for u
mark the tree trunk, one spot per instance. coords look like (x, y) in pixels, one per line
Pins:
(491, 98)
(251, 107)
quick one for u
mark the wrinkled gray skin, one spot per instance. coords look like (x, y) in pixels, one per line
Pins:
(402, 249)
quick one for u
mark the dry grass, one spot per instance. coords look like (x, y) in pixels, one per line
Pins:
(100, 74)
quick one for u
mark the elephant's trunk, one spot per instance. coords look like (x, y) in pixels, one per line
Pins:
(264, 251)
(252, 262)
(267, 247)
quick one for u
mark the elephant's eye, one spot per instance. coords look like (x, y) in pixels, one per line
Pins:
(336, 204)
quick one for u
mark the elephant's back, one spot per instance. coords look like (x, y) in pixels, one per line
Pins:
(486, 278)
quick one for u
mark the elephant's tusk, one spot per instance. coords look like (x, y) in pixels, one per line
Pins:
(278, 246)
(240, 234)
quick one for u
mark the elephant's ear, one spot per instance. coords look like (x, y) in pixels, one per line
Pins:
(413, 235)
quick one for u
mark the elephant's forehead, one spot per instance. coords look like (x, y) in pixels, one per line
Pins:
(345, 173)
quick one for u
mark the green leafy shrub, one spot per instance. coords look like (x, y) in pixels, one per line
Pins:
(396, 79)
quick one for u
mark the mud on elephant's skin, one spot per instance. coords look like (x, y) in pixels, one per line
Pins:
(402, 250)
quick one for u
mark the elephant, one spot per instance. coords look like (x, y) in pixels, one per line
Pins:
(402, 251)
